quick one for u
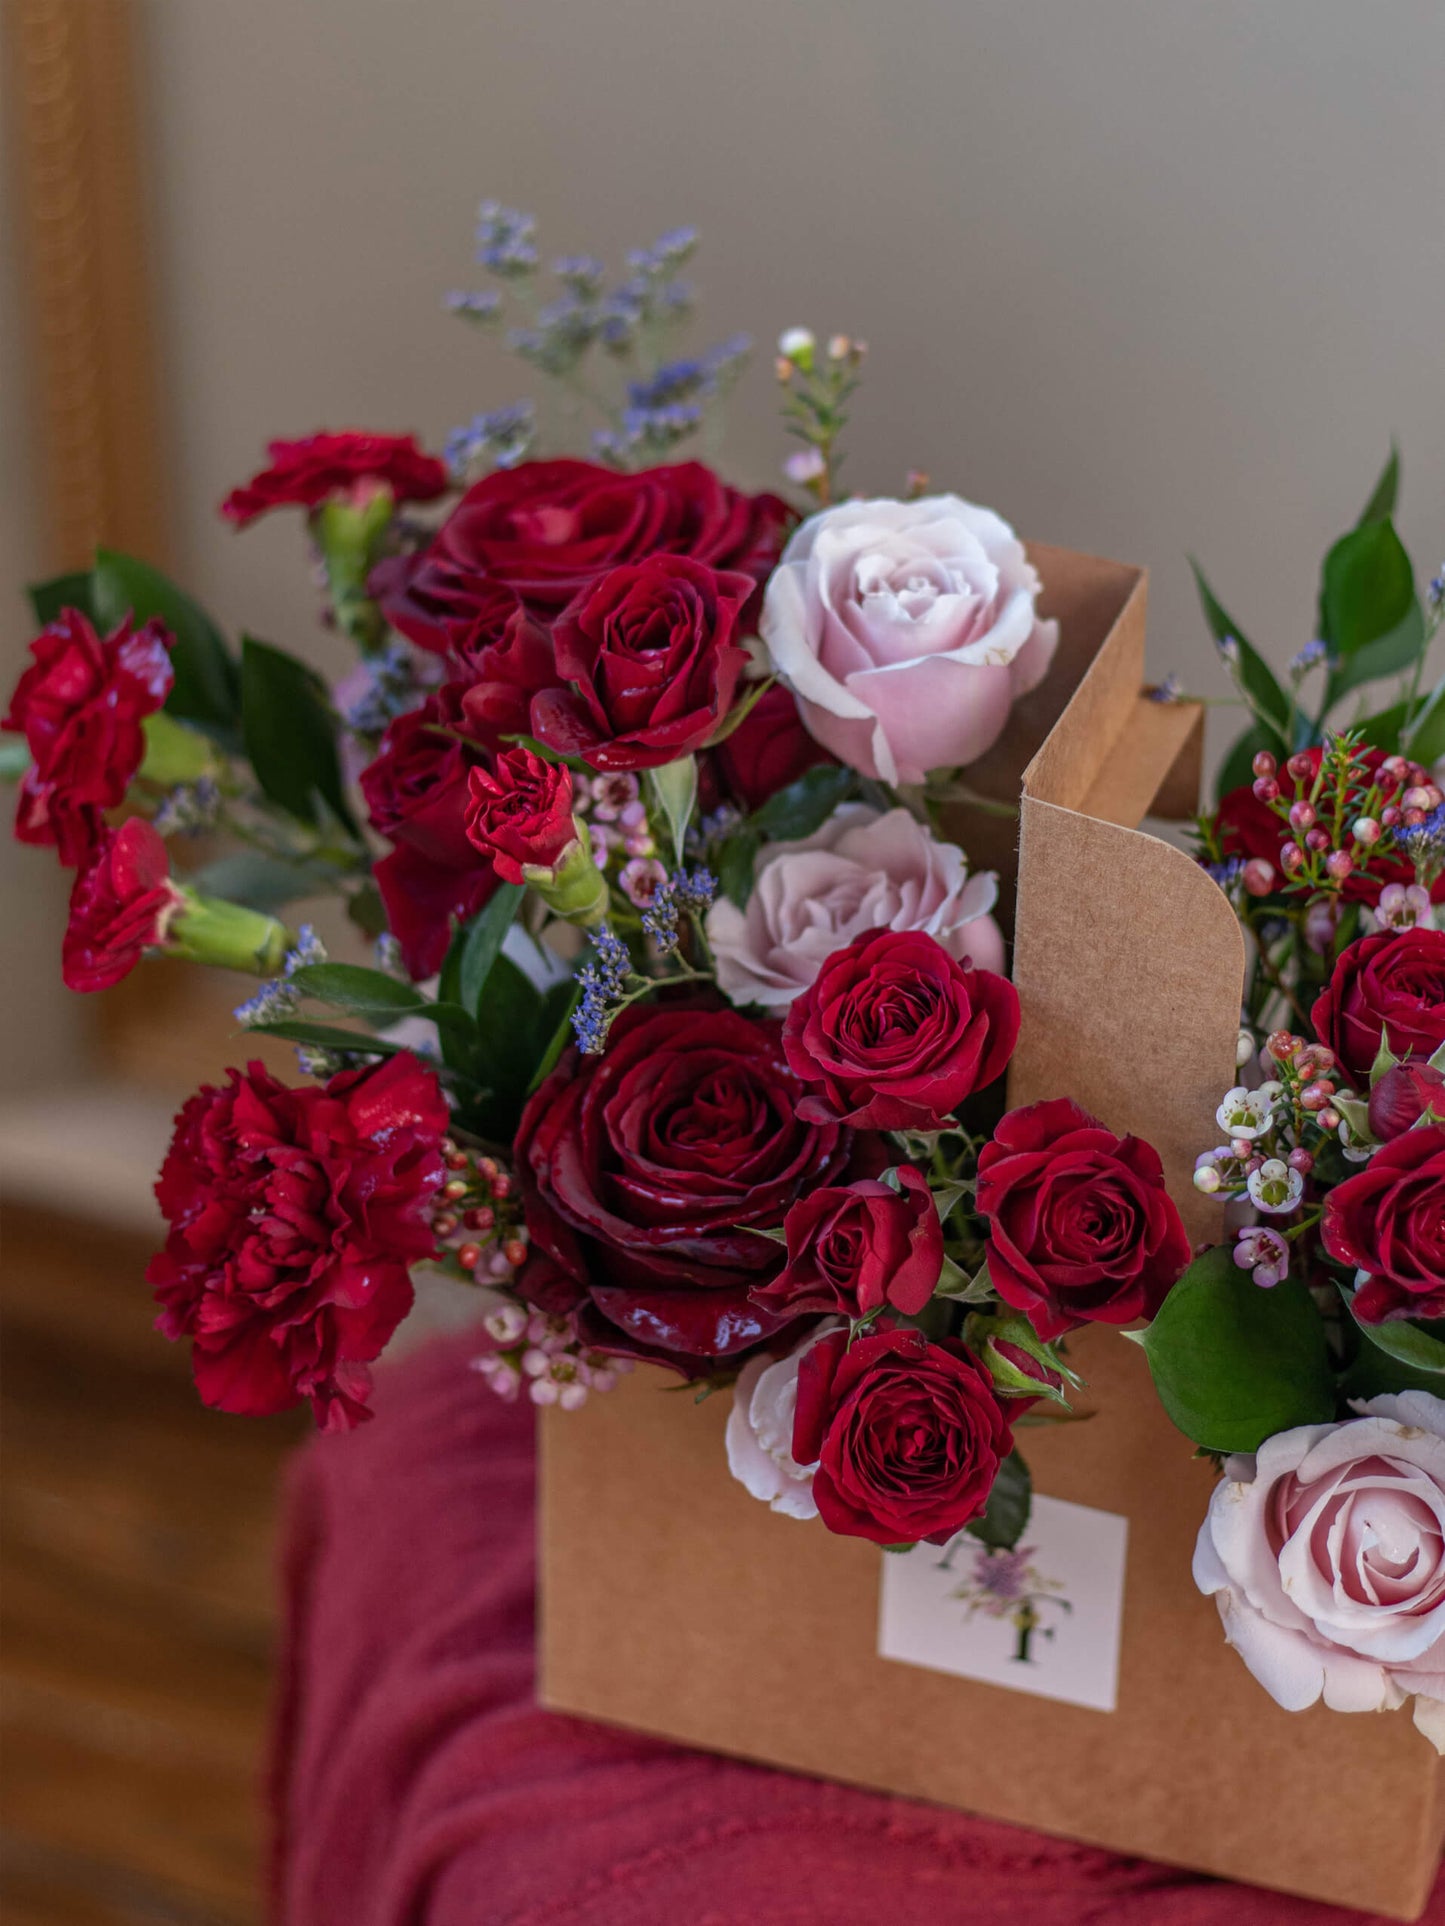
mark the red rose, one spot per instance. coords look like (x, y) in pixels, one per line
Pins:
(642, 1170)
(1388, 1220)
(769, 749)
(417, 797)
(80, 706)
(894, 1034)
(119, 907)
(855, 1250)
(1390, 986)
(1082, 1229)
(907, 1435)
(305, 473)
(1403, 1095)
(1249, 828)
(293, 1216)
(520, 812)
(549, 528)
(440, 607)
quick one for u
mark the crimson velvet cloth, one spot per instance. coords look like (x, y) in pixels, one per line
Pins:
(416, 1781)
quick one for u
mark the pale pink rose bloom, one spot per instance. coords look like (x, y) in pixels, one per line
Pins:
(860, 871)
(1326, 1556)
(760, 1430)
(906, 630)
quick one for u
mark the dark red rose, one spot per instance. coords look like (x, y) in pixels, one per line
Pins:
(649, 653)
(1082, 1229)
(417, 797)
(1403, 1095)
(520, 812)
(643, 1169)
(548, 528)
(907, 1435)
(855, 1250)
(894, 1034)
(1249, 828)
(294, 1215)
(80, 706)
(1390, 986)
(440, 607)
(305, 473)
(1388, 1220)
(769, 749)
(119, 907)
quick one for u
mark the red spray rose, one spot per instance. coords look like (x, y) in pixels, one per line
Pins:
(548, 528)
(293, 1216)
(769, 749)
(855, 1250)
(520, 812)
(894, 1034)
(119, 907)
(907, 1435)
(305, 473)
(1390, 986)
(416, 795)
(1403, 1095)
(80, 706)
(642, 1169)
(1082, 1229)
(650, 652)
(1388, 1221)
(1250, 829)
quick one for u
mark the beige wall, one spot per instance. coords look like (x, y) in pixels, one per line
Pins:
(1148, 275)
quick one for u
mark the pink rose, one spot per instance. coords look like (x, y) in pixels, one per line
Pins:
(760, 1430)
(860, 871)
(906, 630)
(1326, 1555)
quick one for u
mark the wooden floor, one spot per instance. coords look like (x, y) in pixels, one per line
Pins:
(136, 1602)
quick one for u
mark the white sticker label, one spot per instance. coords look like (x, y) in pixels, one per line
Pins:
(1043, 1618)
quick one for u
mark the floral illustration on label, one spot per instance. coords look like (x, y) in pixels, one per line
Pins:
(1003, 1584)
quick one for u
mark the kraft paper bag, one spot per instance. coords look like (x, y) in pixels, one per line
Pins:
(675, 1604)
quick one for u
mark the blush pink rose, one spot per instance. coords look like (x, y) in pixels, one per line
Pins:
(860, 871)
(906, 630)
(1326, 1556)
(760, 1429)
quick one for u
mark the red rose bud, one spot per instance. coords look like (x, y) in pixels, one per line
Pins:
(894, 1034)
(857, 1249)
(81, 706)
(519, 813)
(313, 470)
(1388, 1222)
(294, 1217)
(907, 1435)
(1019, 1362)
(1403, 1095)
(122, 904)
(769, 749)
(1081, 1228)
(1385, 988)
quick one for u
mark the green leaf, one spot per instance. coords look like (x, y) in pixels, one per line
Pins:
(1387, 655)
(512, 1032)
(1232, 1363)
(1383, 729)
(735, 864)
(329, 1036)
(290, 733)
(956, 1284)
(805, 805)
(1420, 1346)
(1006, 1516)
(947, 1196)
(561, 1034)
(1385, 1059)
(367, 911)
(1426, 739)
(72, 591)
(207, 687)
(14, 758)
(1258, 681)
(673, 787)
(1367, 588)
(370, 993)
(261, 882)
(483, 941)
(1381, 504)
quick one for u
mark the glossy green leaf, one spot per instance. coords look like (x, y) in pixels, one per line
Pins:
(673, 789)
(72, 591)
(805, 805)
(1233, 1363)
(735, 864)
(1387, 655)
(327, 1036)
(207, 685)
(1425, 739)
(1270, 703)
(560, 1007)
(512, 1032)
(348, 986)
(1381, 504)
(1367, 589)
(290, 733)
(1006, 1517)
(483, 941)
(260, 881)
(1420, 1346)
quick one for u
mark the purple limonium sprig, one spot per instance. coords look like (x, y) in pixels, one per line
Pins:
(687, 893)
(604, 983)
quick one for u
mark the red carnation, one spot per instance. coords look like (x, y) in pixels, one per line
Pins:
(852, 1251)
(305, 473)
(1388, 1221)
(1389, 987)
(119, 907)
(294, 1215)
(907, 1435)
(894, 1034)
(769, 749)
(1081, 1229)
(650, 653)
(80, 706)
(520, 813)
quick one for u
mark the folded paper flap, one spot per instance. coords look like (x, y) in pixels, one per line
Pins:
(1154, 768)
(1088, 733)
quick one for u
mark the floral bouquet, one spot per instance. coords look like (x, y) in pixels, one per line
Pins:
(685, 1035)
